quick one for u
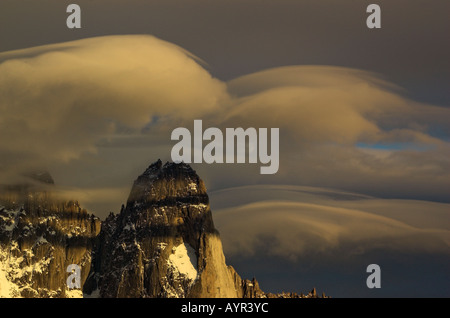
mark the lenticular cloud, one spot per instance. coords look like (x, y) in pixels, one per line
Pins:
(58, 100)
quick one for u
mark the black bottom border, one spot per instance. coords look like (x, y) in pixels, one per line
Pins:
(219, 306)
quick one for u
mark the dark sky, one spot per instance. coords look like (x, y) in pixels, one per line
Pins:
(238, 37)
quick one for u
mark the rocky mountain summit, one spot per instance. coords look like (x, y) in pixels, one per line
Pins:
(163, 243)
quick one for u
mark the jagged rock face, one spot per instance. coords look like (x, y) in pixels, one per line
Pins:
(39, 238)
(163, 243)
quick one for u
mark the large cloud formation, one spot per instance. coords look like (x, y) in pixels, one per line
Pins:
(101, 105)
(58, 101)
(348, 129)
(334, 104)
(299, 221)
(97, 111)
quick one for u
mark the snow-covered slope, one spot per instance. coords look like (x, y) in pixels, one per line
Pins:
(39, 238)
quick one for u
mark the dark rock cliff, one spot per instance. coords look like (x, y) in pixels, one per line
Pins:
(163, 243)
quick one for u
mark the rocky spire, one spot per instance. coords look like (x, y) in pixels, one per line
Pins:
(163, 243)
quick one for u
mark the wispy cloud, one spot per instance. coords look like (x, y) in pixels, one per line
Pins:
(320, 222)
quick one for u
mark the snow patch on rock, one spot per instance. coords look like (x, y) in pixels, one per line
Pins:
(184, 260)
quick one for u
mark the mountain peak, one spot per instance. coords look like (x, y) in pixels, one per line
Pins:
(169, 168)
(171, 181)
(153, 168)
(163, 242)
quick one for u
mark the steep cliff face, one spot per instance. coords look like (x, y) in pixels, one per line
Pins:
(39, 238)
(163, 243)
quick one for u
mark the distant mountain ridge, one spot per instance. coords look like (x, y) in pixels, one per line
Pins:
(163, 243)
